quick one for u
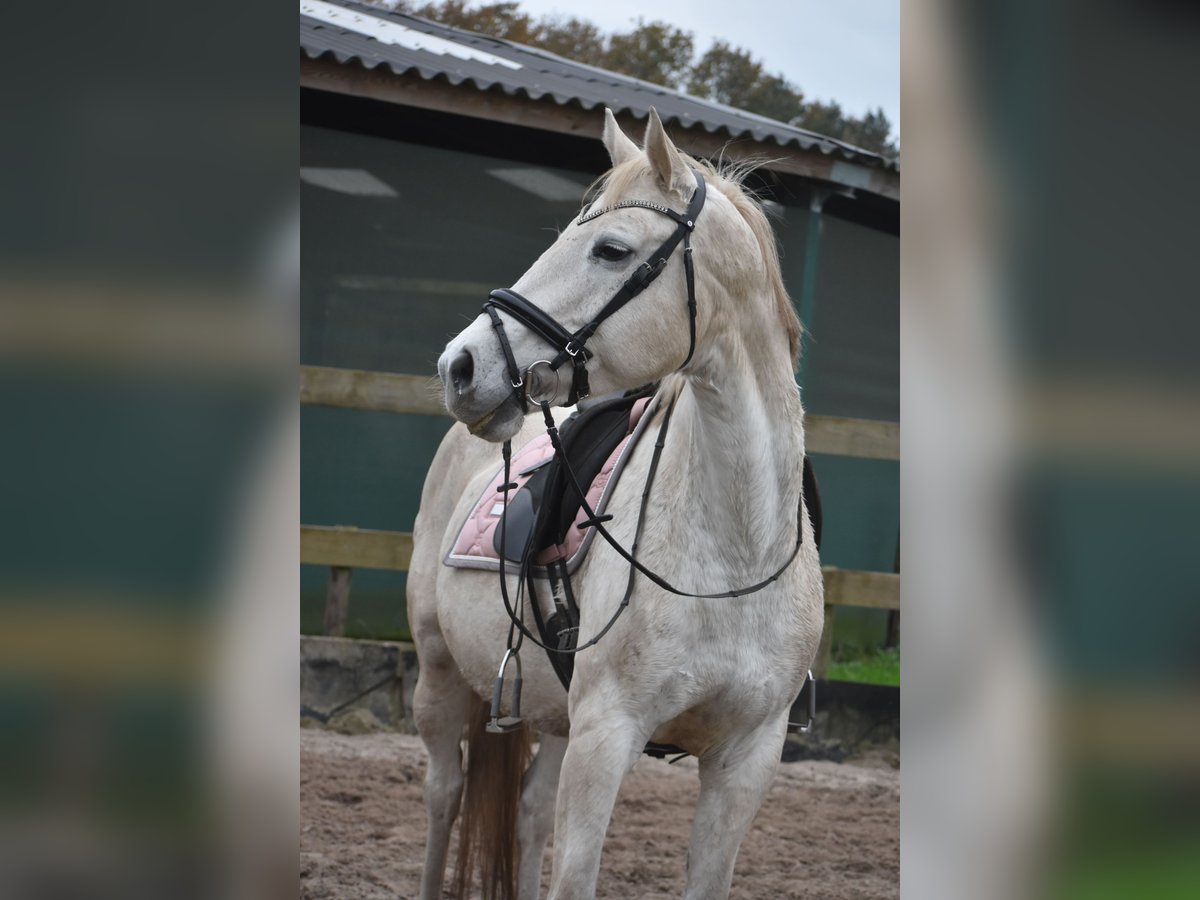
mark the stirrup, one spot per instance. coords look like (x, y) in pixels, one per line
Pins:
(796, 727)
(496, 724)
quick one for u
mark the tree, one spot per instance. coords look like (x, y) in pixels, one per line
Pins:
(731, 76)
(502, 20)
(575, 39)
(662, 54)
(871, 132)
(823, 118)
(776, 98)
(653, 51)
(725, 75)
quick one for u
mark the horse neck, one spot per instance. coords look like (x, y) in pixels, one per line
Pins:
(740, 449)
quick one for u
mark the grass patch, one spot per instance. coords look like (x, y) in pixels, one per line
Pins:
(876, 666)
(1165, 874)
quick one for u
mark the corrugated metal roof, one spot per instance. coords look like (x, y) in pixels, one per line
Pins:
(372, 36)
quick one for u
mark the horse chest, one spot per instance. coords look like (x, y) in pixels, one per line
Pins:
(699, 651)
(709, 697)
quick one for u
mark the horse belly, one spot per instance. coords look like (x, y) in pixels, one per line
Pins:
(475, 627)
(459, 611)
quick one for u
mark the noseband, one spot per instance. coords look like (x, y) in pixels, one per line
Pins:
(573, 345)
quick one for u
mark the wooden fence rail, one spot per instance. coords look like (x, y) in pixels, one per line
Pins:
(355, 548)
(363, 548)
(345, 548)
(375, 391)
(419, 395)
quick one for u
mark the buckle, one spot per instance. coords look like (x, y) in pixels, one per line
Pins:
(642, 276)
(646, 273)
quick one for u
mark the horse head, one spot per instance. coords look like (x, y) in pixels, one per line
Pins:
(642, 207)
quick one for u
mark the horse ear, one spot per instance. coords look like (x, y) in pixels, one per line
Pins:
(666, 161)
(620, 148)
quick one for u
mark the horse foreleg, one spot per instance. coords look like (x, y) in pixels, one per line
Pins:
(441, 702)
(734, 778)
(601, 750)
(536, 818)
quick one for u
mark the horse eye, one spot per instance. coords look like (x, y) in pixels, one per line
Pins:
(610, 251)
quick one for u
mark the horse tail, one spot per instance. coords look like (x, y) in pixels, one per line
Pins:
(487, 837)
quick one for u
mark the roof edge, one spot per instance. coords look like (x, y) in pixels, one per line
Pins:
(516, 106)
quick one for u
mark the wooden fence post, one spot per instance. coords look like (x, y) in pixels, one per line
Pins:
(893, 623)
(337, 600)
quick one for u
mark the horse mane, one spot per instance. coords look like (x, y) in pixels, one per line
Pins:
(728, 178)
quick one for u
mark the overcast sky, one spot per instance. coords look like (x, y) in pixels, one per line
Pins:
(843, 50)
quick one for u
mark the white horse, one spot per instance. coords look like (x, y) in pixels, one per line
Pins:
(714, 677)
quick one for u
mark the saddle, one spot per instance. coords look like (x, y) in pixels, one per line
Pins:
(544, 510)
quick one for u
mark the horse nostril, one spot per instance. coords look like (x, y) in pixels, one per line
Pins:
(462, 370)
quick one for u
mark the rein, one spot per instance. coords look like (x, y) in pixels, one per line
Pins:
(593, 519)
(572, 346)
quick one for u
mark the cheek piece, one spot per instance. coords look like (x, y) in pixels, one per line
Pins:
(572, 346)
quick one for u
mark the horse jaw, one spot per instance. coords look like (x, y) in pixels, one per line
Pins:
(501, 424)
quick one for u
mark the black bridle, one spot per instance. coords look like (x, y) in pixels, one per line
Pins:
(573, 345)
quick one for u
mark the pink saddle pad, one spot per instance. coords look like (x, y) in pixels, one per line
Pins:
(475, 546)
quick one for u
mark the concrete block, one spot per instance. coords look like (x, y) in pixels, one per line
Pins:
(356, 684)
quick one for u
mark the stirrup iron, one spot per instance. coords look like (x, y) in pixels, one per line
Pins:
(797, 727)
(496, 724)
